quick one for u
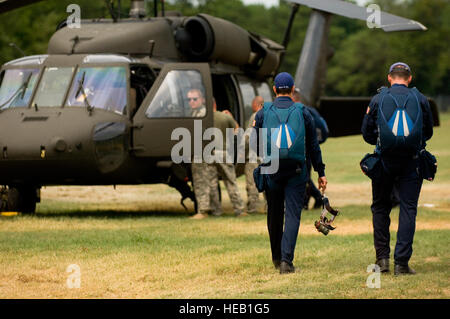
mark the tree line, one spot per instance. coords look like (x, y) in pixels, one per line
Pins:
(358, 67)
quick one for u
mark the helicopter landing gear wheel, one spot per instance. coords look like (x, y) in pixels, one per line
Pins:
(22, 199)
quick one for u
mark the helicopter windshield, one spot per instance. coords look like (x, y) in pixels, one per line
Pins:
(16, 87)
(53, 86)
(100, 87)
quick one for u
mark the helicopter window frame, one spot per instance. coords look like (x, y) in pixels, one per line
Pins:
(177, 93)
(141, 83)
(258, 88)
(36, 60)
(34, 79)
(67, 84)
(246, 100)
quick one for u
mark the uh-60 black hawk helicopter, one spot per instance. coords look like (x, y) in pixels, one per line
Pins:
(100, 106)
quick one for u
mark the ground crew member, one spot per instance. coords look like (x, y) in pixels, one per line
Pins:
(221, 168)
(286, 188)
(389, 116)
(252, 192)
(202, 171)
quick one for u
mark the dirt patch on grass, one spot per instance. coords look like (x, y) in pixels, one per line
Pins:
(363, 227)
(340, 194)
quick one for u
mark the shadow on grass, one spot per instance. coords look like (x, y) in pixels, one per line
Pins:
(113, 214)
(123, 214)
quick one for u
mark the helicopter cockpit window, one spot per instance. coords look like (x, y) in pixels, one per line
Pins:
(180, 95)
(16, 87)
(248, 94)
(100, 87)
(53, 86)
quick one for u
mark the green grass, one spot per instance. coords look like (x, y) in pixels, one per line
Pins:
(171, 256)
(136, 251)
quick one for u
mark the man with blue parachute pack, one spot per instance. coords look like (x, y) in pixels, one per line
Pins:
(399, 122)
(289, 133)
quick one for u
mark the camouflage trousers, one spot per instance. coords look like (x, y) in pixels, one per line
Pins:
(252, 192)
(206, 178)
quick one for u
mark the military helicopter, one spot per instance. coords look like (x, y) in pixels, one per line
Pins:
(100, 106)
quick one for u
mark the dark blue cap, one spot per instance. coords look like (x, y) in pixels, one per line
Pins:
(283, 81)
(400, 65)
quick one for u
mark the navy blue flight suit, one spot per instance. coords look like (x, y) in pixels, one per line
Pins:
(287, 189)
(403, 171)
(322, 131)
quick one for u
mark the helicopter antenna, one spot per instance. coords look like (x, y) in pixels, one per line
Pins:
(110, 6)
(13, 45)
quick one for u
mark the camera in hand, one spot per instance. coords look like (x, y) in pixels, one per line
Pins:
(323, 225)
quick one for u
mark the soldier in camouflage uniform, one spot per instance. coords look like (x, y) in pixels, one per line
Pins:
(201, 172)
(207, 189)
(252, 192)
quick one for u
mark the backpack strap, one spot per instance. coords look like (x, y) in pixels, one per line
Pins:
(270, 107)
(383, 92)
(296, 105)
(267, 105)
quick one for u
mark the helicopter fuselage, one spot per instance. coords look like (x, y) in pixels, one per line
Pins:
(104, 119)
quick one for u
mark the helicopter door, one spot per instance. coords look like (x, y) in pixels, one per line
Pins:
(180, 96)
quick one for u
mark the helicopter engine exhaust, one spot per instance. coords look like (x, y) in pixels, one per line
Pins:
(207, 38)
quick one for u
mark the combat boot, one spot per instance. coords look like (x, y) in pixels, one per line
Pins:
(243, 214)
(286, 268)
(199, 216)
(276, 263)
(384, 264)
(403, 270)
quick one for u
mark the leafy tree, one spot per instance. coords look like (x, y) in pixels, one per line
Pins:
(361, 64)
(358, 67)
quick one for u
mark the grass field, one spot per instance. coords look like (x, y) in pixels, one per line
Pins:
(137, 242)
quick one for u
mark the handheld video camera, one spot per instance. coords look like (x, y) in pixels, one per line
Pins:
(324, 224)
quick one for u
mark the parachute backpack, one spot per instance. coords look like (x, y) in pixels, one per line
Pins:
(286, 131)
(399, 125)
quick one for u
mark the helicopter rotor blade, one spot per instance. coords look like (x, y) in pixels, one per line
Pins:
(9, 5)
(388, 22)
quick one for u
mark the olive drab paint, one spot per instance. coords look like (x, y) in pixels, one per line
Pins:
(101, 105)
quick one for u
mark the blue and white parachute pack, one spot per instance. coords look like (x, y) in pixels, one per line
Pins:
(400, 122)
(285, 131)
